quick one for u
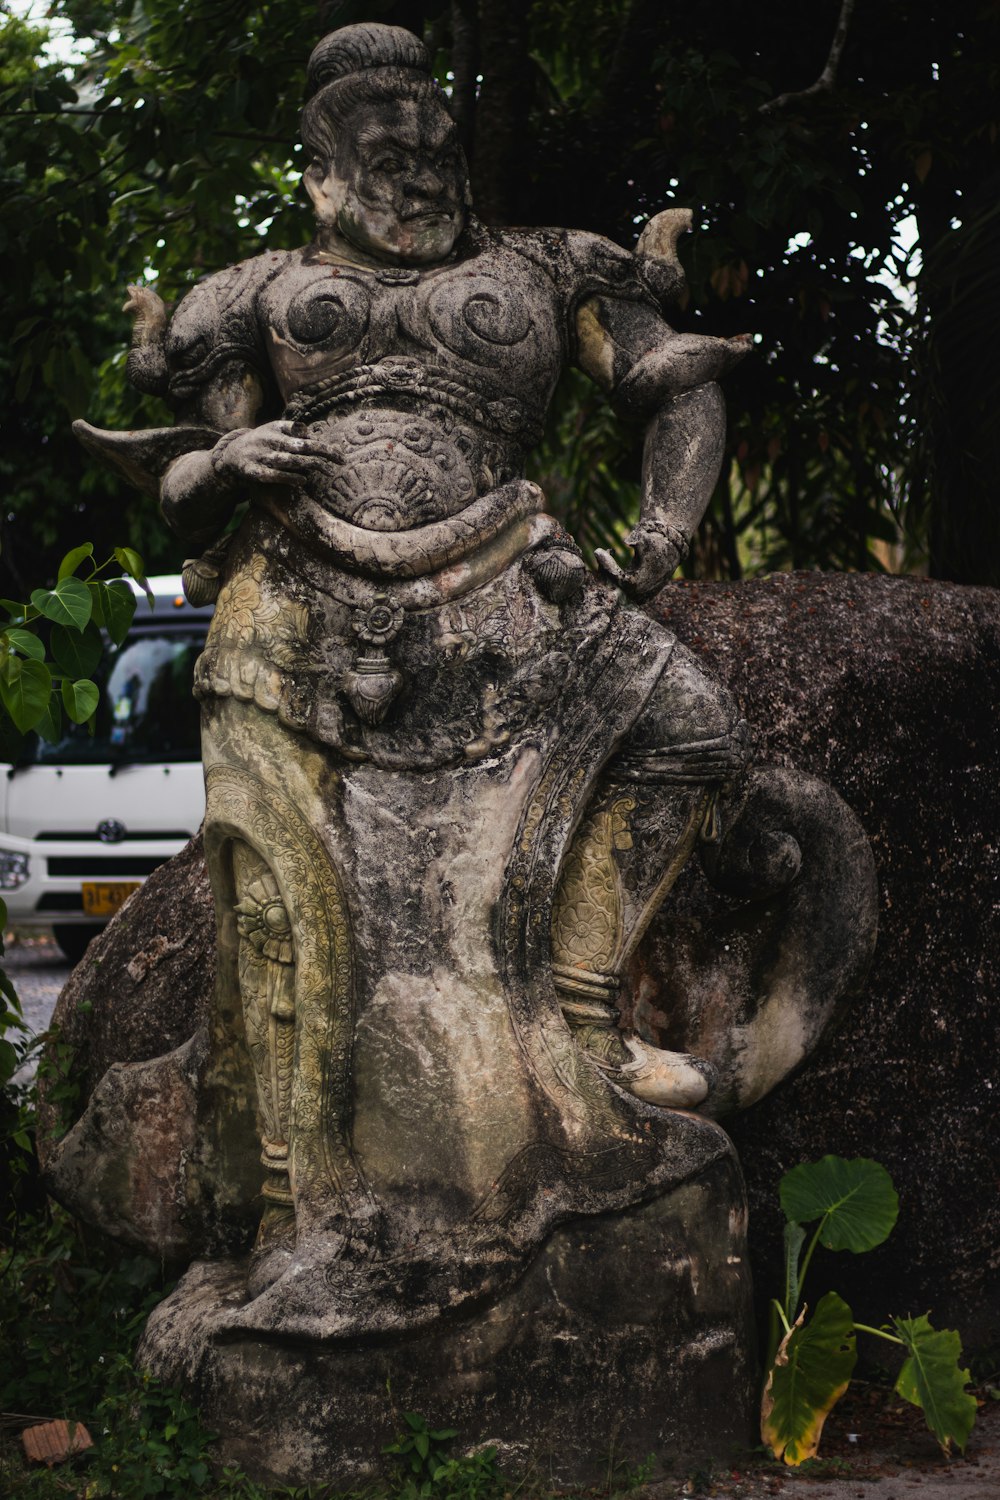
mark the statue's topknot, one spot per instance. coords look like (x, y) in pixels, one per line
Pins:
(353, 49)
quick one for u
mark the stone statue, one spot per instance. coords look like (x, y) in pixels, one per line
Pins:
(450, 776)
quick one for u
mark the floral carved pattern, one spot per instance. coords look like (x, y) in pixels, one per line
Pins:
(329, 1190)
(247, 614)
(587, 915)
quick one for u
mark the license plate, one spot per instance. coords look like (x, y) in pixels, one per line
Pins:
(102, 898)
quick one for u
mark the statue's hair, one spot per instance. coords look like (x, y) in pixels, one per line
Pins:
(354, 49)
(360, 65)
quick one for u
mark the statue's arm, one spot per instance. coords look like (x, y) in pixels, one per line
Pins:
(668, 380)
(209, 363)
(200, 490)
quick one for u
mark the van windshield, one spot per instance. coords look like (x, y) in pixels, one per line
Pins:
(146, 710)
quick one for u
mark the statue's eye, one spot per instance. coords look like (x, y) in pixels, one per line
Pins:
(390, 165)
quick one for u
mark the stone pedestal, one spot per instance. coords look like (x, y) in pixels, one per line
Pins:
(626, 1337)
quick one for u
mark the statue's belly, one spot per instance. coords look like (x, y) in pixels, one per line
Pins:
(390, 470)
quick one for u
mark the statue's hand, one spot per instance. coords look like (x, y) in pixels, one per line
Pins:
(654, 558)
(270, 454)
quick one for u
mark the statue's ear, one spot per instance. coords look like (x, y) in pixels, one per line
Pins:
(318, 183)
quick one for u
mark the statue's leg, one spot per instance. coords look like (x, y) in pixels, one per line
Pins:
(266, 964)
(655, 801)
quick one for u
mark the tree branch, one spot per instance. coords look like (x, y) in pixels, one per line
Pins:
(825, 82)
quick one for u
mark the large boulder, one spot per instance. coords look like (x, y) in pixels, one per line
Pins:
(141, 989)
(887, 689)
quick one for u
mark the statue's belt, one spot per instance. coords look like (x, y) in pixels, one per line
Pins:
(418, 552)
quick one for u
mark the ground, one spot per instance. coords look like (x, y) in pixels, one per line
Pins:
(874, 1447)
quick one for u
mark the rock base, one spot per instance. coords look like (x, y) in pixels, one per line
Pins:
(629, 1336)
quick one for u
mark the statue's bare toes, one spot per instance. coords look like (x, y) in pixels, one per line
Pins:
(671, 1079)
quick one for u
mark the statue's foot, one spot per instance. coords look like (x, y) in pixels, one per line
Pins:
(671, 1079)
(273, 1247)
(674, 1080)
(603, 1045)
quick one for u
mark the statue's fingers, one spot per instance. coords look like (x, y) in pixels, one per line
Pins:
(299, 463)
(607, 564)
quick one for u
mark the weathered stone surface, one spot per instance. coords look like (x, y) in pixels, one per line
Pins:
(143, 985)
(566, 1373)
(888, 689)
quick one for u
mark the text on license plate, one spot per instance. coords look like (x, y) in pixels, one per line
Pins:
(102, 898)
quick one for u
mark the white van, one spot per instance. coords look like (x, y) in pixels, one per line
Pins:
(83, 822)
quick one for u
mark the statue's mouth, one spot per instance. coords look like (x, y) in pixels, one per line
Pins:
(428, 216)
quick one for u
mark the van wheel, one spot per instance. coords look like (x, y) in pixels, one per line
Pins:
(73, 940)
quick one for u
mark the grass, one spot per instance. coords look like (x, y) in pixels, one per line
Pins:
(72, 1306)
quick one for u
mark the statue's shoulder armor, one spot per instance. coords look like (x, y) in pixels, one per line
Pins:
(217, 323)
(584, 265)
(588, 265)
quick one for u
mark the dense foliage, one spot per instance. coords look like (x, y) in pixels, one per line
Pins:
(865, 418)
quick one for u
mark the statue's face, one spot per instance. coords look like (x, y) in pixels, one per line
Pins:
(398, 183)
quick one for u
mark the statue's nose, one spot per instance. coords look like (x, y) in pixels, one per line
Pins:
(424, 181)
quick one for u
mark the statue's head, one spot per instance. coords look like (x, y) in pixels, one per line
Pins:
(387, 172)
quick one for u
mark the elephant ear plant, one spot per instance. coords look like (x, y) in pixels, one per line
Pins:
(854, 1206)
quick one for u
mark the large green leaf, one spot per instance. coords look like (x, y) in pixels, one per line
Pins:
(811, 1372)
(114, 607)
(73, 559)
(856, 1200)
(26, 642)
(80, 699)
(77, 651)
(794, 1237)
(135, 568)
(932, 1379)
(67, 604)
(25, 692)
(49, 726)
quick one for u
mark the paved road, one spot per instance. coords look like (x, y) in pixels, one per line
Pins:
(38, 971)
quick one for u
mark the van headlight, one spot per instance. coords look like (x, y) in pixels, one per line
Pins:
(14, 869)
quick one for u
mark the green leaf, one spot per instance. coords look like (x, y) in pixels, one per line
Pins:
(855, 1198)
(13, 1018)
(69, 603)
(117, 607)
(135, 568)
(794, 1238)
(8, 1061)
(49, 725)
(422, 1443)
(73, 559)
(811, 1372)
(131, 562)
(77, 652)
(26, 642)
(10, 993)
(25, 693)
(80, 699)
(932, 1379)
